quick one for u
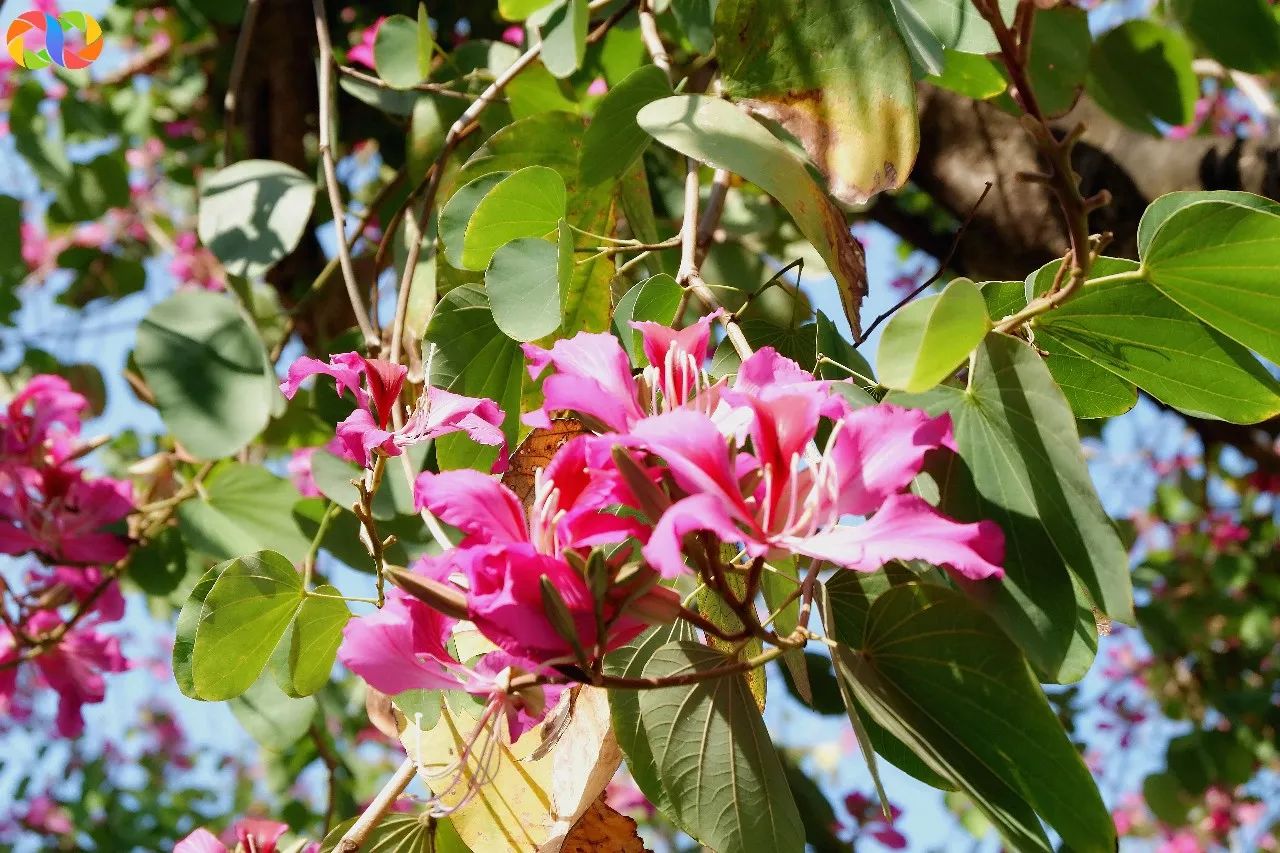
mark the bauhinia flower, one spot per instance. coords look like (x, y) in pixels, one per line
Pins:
(592, 375)
(42, 422)
(73, 667)
(507, 561)
(252, 835)
(782, 497)
(59, 513)
(405, 646)
(376, 384)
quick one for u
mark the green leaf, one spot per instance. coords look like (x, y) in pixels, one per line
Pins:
(1241, 34)
(271, 718)
(474, 358)
(655, 299)
(208, 370)
(832, 344)
(1136, 332)
(562, 30)
(527, 203)
(957, 25)
(242, 508)
(1217, 260)
(184, 636)
(1059, 58)
(613, 141)
(929, 338)
(518, 10)
(523, 282)
(1090, 389)
(426, 138)
(970, 75)
(305, 656)
(715, 756)
(854, 112)
(160, 566)
(253, 213)
(695, 19)
(715, 132)
(243, 618)
(1159, 211)
(458, 210)
(844, 602)
(92, 189)
(624, 707)
(1021, 466)
(1142, 71)
(395, 52)
(940, 676)
(797, 343)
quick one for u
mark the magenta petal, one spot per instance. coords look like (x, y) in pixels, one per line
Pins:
(700, 512)
(443, 412)
(385, 380)
(200, 841)
(400, 647)
(359, 435)
(879, 450)
(265, 833)
(593, 377)
(694, 450)
(694, 340)
(478, 505)
(907, 528)
(342, 368)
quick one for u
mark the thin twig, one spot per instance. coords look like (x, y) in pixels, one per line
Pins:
(333, 766)
(943, 265)
(239, 61)
(376, 810)
(371, 340)
(432, 88)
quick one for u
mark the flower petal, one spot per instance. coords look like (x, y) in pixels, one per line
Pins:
(700, 512)
(478, 505)
(593, 377)
(907, 528)
(345, 368)
(879, 450)
(400, 647)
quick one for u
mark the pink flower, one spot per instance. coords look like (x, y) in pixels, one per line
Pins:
(598, 87)
(513, 34)
(299, 470)
(624, 795)
(192, 264)
(60, 514)
(775, 500)
(365, 430)
(252, 835)
(73, 667)
(180, 129)
(44, 815)
(42, 422)
(362, 53)
(593, 375)
(505, 560)
(78, 584)
(404, 646)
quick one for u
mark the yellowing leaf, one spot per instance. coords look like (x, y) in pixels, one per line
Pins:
(853, 109)
(531, 801)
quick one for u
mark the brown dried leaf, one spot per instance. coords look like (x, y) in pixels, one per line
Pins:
(535, 453)
(603, 830)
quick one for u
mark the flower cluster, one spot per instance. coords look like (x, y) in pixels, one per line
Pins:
(671, 472)
(376, 385)
(52, 510)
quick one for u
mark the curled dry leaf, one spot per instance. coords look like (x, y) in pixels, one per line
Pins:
(529, 805)
(535, 452)
(603, 830)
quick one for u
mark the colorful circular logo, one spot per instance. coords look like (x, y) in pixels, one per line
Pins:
(38, 39)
